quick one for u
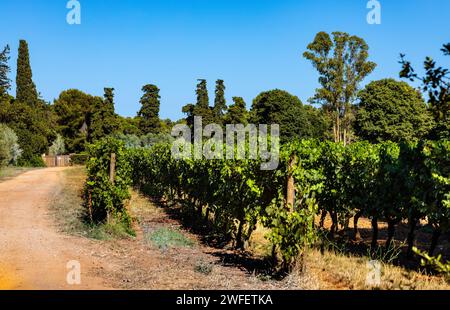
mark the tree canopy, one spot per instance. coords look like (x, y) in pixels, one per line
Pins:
(237, 112)
(220, 104)
(436, 84)
(73, 109)
(149, 113)
(103, 121)
(392, 110)
(280, 107)
(342, 63)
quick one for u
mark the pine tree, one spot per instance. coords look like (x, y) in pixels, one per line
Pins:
(73, 110)
(149, 121)
(103, 120)
(189, 111)
(26, 89)
(5, 82)
(220, 104)
(237, 112)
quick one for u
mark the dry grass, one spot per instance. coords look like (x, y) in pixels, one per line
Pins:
(338, 271)
(7, 173)
(67, 202)
(67, 207)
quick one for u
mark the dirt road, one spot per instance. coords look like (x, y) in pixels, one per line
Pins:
(33, 255)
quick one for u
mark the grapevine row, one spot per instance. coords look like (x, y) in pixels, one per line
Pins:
(384, 182)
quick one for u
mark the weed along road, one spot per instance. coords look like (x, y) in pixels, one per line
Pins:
(34, 255)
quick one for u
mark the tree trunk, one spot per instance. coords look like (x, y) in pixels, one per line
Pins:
(412, 228)
(208, 211)
(239, 243)
(434, 241)
(391, 232)
(338, 127)
(290, 194)
(274, 255)
(334, 226)
(347, 223)
(322, 218)
(344, 137)
(375, 232)
(356, 235)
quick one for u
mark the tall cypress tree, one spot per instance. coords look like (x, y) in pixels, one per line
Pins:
(149, 121)
(26, 89)
(220, 104)
(110, 117)
(202, 94)
(202, 107)
(5, 82)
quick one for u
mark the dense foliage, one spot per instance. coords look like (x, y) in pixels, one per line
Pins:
(342, 63)
(5, 82)
(10, 151)
(385, 182)
(220, 104)
(102, 120)
(26, 89)
(391, 110)
(296, 120)
(237, 112)
(105, 196)
(436, 85)
(148, 115)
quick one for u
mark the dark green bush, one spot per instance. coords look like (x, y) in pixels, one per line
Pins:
(31, 161)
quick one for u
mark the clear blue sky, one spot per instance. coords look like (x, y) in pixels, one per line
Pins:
(254, 45)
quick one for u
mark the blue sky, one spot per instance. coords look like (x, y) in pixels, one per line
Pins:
(254, 45)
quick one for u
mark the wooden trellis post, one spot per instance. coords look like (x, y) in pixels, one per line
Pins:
(290, 195)
(112, 168)
(112, 177)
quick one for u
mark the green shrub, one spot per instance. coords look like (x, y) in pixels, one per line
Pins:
(164, 238)
(10, 151)
(31, 161)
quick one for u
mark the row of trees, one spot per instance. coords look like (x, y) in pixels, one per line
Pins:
(270, 107)
(383, 110)
(74, 120)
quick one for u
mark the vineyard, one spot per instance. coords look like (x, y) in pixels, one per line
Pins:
(389, 182)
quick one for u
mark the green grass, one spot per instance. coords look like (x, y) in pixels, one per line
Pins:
(164, 238)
